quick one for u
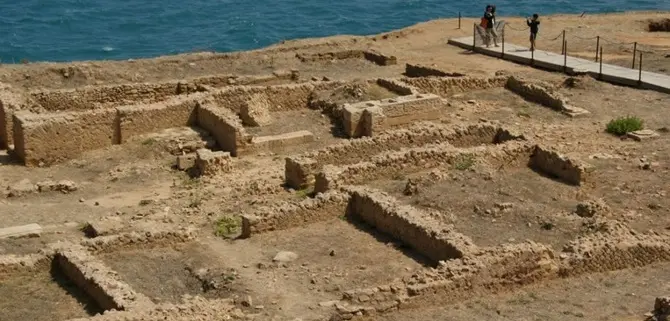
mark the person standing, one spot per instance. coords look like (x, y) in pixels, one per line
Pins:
(491, 34)
(534, 24)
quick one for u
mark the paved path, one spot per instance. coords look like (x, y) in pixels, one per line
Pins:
(554, 61)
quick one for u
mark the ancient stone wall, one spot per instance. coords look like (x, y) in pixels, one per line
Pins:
(543, 95)
(614, 247)
(414, 71)
(299, 170)
(390, 163)
(142, 119)
(19, 263)
(96, 279)
(372, 56)
(224, 126)
(415, 228)
(50, 138)
(11, 101)
(397, 86)
(279, 98)
(448, 86)
(138, 239)
(566, 169)
(290, 214)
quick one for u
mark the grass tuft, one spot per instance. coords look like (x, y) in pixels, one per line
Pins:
(464, 162)
(623, 125)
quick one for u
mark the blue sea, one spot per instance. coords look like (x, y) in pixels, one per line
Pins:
(66, 30)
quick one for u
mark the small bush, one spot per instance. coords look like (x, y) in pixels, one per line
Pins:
(623, 125)
(227, 226)
(464, 162)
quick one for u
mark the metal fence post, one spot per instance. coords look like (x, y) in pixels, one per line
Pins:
(532, 57)
(634, 53)
(597, 47)
(563, 44)
(503, 42)
(459, 20)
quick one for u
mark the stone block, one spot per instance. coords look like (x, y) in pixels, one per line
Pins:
(21, 231)
(185, 162)
(644, 134)
(211, 163)
(277, 142)
(108, 226)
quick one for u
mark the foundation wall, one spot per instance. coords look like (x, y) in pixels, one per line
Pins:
(142, 119)
(100, 282)
(414, 71)
(568, 170)
(50, 138)
(10, 102)
(390, 163)
(138, 239)
(490, 270)
(535, 93)
(448, 86)
(91, 97)
(412, 226)
(224, 126)
(291, 214)
(19, 263)
(614, 249)
(279, 98)
(372, 56)
(279, 142)
(300, 170)
(397, 86)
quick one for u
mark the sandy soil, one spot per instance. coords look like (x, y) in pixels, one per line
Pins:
(137, 182)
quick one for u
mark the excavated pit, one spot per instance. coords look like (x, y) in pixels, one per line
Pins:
(165, 275)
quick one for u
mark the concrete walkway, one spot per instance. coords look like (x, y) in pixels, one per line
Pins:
(553, 61)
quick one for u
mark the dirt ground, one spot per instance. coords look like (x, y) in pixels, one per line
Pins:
(137, 182)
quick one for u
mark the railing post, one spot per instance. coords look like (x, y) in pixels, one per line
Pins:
(634, 53)
(639, 77)
(597, 47)
(565, 56)
(563, 44)
(459, 20)
(600, 74)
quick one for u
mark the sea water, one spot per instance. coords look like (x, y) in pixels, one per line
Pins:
(66, 30)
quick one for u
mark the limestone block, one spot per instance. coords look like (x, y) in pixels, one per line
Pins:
(352, 118)
(21, 231)
(278, 142)
(256, 111)
(211, 163)
(644, 134)
(185, 162)
(107, 226)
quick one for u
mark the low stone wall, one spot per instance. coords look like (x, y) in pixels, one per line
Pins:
(415, 228)
(372, 56)
(415, 71)
(405, 161)
(566, 169)
(447, 86)
(138, 239)
(11, 263)
(486, 271)
(614, 247)
(224, 126)
(49, 138)
(99, 281)
(543, 95)
(279, 98)
(193, 308)
(10, 102)
(137, 120)
(291, 214)
(300, 170)
(397, 86)
(369, 117)
(91, 97)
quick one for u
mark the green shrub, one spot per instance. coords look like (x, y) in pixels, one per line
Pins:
(623, 125)
(227, 226)
(464, 162)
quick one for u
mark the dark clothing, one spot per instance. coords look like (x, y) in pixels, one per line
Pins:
(490, 20)
(534, 26)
